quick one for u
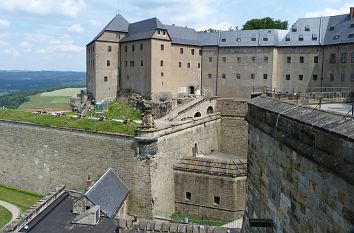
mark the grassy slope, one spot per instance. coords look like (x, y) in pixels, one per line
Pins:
(54, 99)
(5, 217)
(21, 199)
(118, 111)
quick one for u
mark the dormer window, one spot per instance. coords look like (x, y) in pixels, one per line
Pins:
(301, 38)
(307, 28)
(331, 28)
(238, 39)
(314, 36)
(265, 38)
(351, 35)
(253, 38)
(336, 37)
(294, 29)
(164, 33)
(287, 38)
(223, 40)
(158, 32)
(352, 25)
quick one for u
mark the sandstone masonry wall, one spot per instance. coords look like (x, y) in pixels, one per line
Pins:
(233, 126)
(300, 168)
(37, 159)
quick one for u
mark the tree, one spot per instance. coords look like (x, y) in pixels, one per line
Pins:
(211, 30)
(265, 23)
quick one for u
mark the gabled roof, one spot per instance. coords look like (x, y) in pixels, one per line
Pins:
(182, 35)
(117, 24)
(143, 29)
(109, 192)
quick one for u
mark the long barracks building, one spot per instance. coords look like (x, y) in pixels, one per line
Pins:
(151, 58)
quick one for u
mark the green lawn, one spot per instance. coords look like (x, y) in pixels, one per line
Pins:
(54, 99)
(23, 200)
(118, 111)
(5, 217)
(198, 220)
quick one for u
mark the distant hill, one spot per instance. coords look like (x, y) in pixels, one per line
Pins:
(40, 80)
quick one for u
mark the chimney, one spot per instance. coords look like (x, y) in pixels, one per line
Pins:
(88, 182)
(351, 15)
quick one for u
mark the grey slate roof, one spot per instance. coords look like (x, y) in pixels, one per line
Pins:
(109, 192)
(117, 24)
(304, 32)
(143, 29)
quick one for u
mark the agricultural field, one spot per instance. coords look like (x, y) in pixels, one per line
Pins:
(5, 216)
(58, 99)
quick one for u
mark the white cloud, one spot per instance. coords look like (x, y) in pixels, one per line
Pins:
(11, 52)
(330, 11)
(38, 37)
(26, 46)
(45, 7)
(3, 43)
(4, 23)
(62, 48)
(76, 28)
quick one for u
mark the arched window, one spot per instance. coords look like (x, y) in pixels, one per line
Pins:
(197, 114)
(210, 110)
(191, 90)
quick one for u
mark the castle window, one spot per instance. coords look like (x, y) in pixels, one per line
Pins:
(188, 196)
(108, 63)
(192, 51)
(301, 38)
(301, 77)
(265, 38)
(162, 47)
(179, 64)
(200, 52)
(141, 62)
(199, 65)
(164, 33)
(314, 77)
(342, 77)
(131, 63)
(344, 58)
(126, 49)
(352, 25)
(238, 59)
(223, 76)
(287, 38)
(224, 59)
(302, 59)
(126, 63)
(253, 38)
(109, 49)
(253, 59)
(314, 36)
(238, 76)
(105, 78)
(141, 47)
(288, 59)
(294, 29)
(253, 76)
(223, 40)
(352, 57)
(189, 65)
(210, 59)
(307, 28)
(216, 200)
(87, 207)
(265, 59)
(351, 35)
(161, 63)
(332, 58)
(161, 74)
(331, 28)
(331, 77)
(238, 39)
(158, 32)
(209, 76)
(287, 77)
(133, 47)
(315, 59)
(265, 76)
(181, 50)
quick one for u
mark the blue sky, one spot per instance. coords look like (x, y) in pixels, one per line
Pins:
(52, 34)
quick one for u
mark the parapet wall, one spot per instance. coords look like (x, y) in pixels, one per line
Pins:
(233, 126)
(300, 168)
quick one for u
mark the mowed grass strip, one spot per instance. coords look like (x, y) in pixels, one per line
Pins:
(5, 217)
(23, 200)
(123, 112)
(120, 111)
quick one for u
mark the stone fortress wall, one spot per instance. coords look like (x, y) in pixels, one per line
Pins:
(300, 168)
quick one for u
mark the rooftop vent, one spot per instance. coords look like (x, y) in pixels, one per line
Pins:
(351, 14)
(238, 39)
(336, 37)
(301, 38)
(314, 36)
(307, 28)
(331, 28)
(294, 29)
(223, 40)
(287, 38)
(351, 35)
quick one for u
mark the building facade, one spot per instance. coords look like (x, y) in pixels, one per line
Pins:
(153, 59)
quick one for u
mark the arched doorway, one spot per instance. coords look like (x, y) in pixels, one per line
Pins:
(197, 114)
(210, 110)
(191, 90)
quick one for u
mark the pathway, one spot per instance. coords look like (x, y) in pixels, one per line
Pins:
(12, 208)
